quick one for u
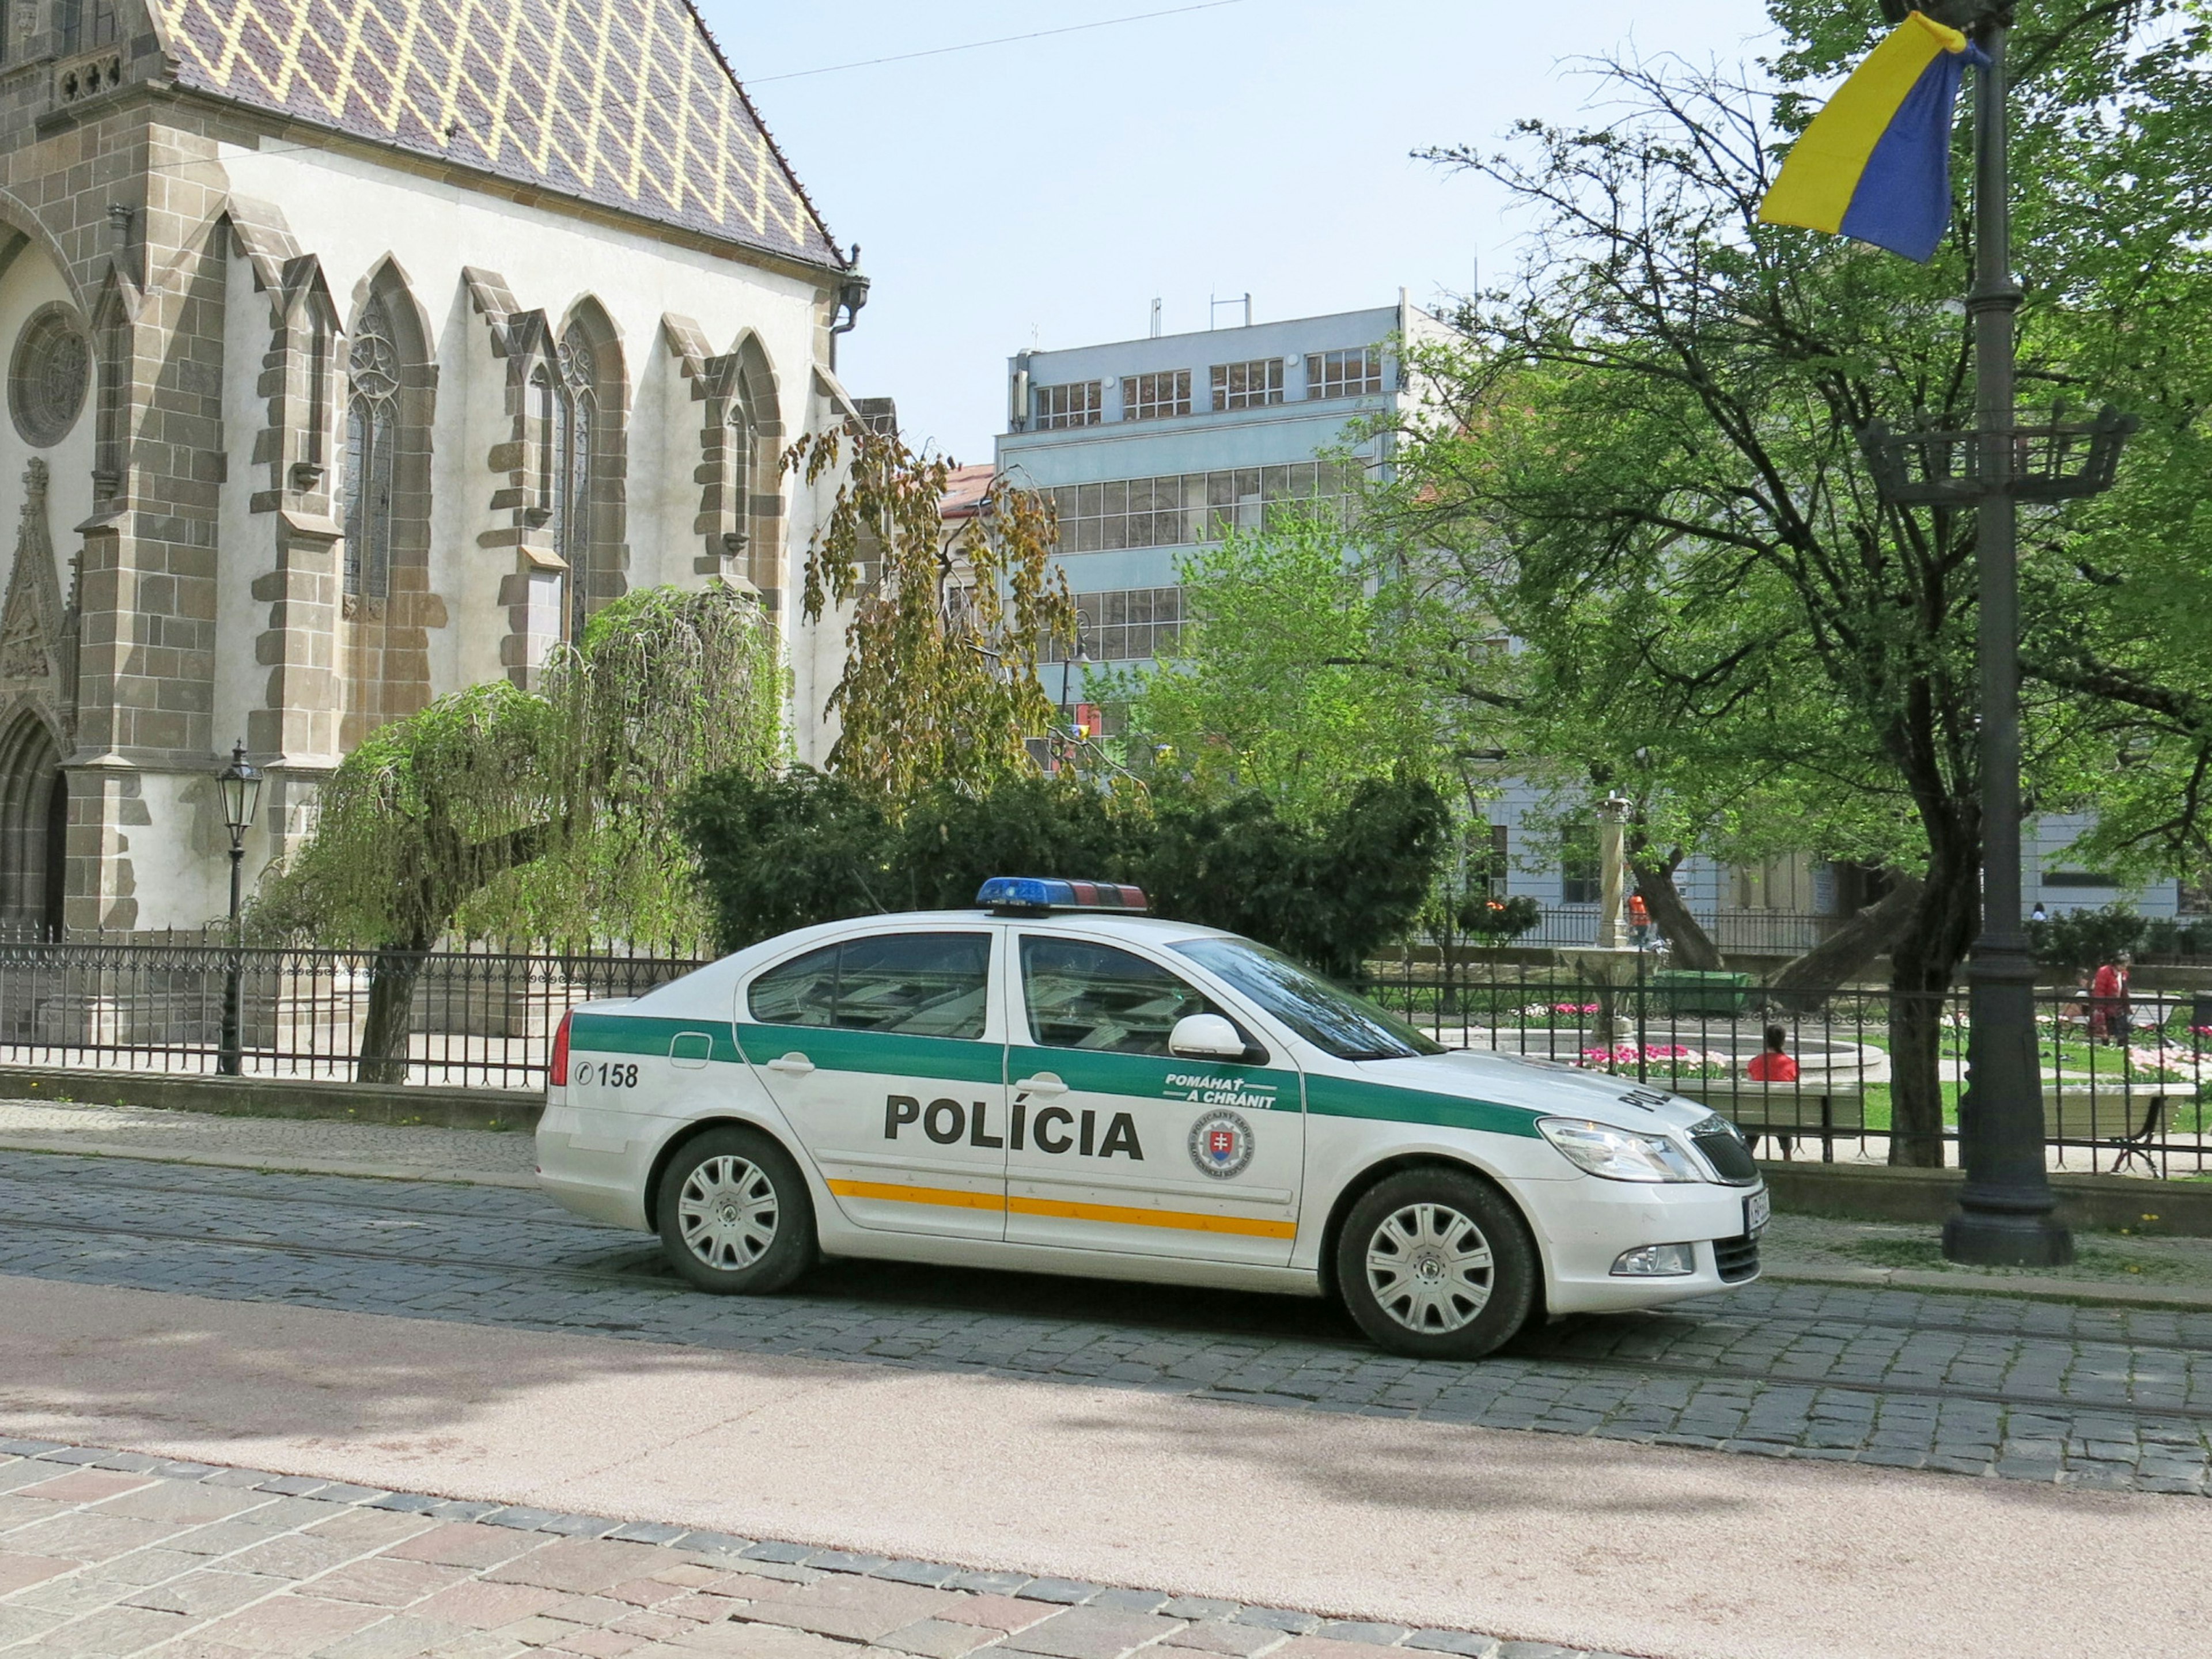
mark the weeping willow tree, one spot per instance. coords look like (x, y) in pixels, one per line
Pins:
(941, 683)
(546, 814)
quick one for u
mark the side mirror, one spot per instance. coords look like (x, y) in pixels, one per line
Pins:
(1205, 1037)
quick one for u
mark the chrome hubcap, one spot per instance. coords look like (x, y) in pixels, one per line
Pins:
(727, 1213)
(1430, 1268)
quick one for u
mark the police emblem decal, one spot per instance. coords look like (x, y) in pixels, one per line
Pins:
(1221, 1144)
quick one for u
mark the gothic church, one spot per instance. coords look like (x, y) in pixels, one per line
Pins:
(357, 351)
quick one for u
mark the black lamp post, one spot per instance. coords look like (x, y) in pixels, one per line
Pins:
(2004, 1216)
(1082, 657)
(240, 786)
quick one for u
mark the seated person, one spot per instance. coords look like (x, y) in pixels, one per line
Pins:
(1771, 1065)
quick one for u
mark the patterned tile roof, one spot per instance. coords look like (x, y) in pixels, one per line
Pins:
(627, 103)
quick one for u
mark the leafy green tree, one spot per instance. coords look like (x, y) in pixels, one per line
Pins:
(1645, 460)
(941, 682)
(497, 811)
(1281, 682)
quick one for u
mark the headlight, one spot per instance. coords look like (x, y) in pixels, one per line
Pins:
(1618, 1154)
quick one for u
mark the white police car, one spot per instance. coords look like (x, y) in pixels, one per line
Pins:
(1058, 1083)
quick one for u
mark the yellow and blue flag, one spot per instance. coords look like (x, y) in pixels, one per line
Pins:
(1875, 164)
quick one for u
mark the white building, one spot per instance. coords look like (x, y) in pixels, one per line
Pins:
(359, 352)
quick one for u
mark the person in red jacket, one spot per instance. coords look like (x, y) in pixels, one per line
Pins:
(2109, 1014)
(1772, 1065)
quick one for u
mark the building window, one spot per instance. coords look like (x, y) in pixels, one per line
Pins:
(1343, 374)
(575, 454)
(744, 449)
(1187, 508)
(1129, 624)
(1580, 876)
(86, 24)
(1150, 397)
(1077, 404)
(372, 446)
(1489, 859)
(46, 381)
(1248, 386)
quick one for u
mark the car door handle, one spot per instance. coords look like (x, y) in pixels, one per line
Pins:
(792, 1065)
(1044, 1084)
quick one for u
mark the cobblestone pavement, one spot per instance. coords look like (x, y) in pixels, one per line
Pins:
(1972, 1384)
(114, 1553)
(432, 1154)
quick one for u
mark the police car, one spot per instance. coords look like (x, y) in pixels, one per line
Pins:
(1058, 1082)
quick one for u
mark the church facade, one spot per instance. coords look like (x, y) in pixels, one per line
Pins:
(359, 350)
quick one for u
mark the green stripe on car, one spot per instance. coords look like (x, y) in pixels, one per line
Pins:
(638, 1034)
(1336, 1097)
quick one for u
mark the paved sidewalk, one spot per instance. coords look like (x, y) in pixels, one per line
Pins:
(119, 1554)
(1586, 1543)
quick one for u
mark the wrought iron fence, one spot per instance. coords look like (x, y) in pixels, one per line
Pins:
(2127, 1083)
(1745, 933)
(468, 1016)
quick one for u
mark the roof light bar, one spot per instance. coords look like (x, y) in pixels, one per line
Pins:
(1042, 894)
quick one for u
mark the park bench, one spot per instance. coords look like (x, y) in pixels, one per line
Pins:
(1811, 1106)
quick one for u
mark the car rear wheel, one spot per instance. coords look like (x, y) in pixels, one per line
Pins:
(734, 1215)
(1435, 1264)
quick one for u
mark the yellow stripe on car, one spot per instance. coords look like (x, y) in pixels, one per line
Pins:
(1124, 1215)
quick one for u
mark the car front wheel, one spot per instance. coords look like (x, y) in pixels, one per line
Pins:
(1435, 1264)
(734, 1215)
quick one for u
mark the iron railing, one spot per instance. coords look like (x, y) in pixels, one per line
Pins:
(1746, 932)
(475, 1016)
(2127, 1083)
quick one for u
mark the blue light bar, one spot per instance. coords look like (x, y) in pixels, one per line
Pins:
(1042, 895)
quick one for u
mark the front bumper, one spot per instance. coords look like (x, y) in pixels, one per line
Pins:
(1584, 1225)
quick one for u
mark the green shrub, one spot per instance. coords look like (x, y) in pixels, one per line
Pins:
(782, 853)
(2077, 939)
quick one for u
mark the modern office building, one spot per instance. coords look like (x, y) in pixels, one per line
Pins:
(1153, 447)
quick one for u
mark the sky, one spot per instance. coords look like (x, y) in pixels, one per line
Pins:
(1044, 191)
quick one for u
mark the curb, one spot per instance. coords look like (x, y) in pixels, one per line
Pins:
(274, 1163)
(412, 1105)
(2084, 1292)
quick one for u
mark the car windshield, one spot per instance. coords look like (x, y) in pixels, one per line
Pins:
(1334, 1021)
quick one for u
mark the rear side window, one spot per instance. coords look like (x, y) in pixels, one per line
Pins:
(1081, 996)
(904, 984)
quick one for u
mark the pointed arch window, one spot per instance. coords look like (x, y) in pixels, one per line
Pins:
(371, 446)
(745, 456)
(566, 395)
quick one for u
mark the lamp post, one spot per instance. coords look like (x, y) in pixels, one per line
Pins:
(239, 785)
(1082, 659)
(2004, 1216)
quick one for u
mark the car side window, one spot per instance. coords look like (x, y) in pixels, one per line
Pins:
(802, 992)
(1081, 996)
(901, 984)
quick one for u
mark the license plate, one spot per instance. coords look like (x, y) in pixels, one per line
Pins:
(1758, 1210)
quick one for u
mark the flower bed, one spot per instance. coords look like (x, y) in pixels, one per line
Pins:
(1664, 1060)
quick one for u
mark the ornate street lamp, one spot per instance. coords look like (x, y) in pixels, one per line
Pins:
(2004, 1216)
(239, 785)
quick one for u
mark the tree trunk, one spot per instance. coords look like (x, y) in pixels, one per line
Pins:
(390, 1020)
(1809, 981)
(1693, 947)
(1922, 962)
